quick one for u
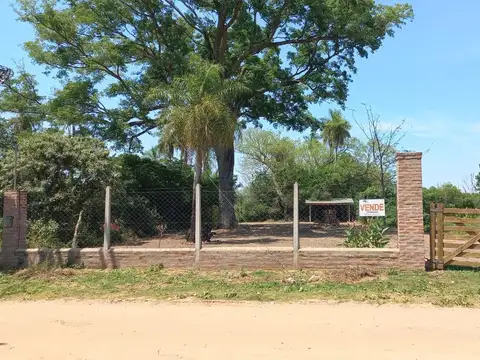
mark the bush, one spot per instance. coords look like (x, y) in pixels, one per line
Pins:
(371, 235)
(42, 234)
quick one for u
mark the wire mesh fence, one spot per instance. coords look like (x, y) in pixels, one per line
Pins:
(337, 223)
(166, 218)
(253, 228)
(151, 218)
(62, 221)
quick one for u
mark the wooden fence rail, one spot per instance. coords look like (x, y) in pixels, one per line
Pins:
(454, 239)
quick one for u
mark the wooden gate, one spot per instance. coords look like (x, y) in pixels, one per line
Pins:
(454, 237)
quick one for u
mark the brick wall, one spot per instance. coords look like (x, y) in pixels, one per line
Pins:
(14, 227)
(113, 258)
(217, 258)
(410, 210)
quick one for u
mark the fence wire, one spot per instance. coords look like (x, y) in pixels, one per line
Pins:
(151, 218)
(165, 218)
(55, 222)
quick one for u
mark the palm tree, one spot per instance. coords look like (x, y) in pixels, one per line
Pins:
(199, 117)
(336, 131)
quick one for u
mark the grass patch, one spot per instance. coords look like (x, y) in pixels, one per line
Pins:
(448, 288)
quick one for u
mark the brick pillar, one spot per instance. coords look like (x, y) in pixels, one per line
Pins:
(410, 210)
(14, 227)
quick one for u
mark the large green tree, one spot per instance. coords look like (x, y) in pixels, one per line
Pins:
(289, 53)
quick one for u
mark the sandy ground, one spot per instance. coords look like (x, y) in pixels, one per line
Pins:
(264, 234)
(102, 331)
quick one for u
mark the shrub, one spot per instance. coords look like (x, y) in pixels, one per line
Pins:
(371, 235)
(42, 234)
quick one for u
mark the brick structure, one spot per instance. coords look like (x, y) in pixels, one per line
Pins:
(410, 210)
(14, 227)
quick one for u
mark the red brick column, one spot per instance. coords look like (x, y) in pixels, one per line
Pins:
(14, 227)
(410, 210)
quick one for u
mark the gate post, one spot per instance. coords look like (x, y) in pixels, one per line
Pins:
(410, 210)
(14, 227)
(440, 235)
(433, 237)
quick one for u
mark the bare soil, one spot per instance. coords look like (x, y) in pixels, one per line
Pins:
(269, 234)
(80, 330)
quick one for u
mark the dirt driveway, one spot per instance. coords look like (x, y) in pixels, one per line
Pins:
(194, 331)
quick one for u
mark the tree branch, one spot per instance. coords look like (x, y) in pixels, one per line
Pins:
(234, 17)
(183, 16)
(255, 49)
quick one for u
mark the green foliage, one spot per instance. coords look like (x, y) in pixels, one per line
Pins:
(288, 55)
(199, 115)
(63, 176)
(335, 132)
(43, 233)
(449, 195)
(151, 192)
(115, 43)
(259, 201)
(371, 235)
(273, 163)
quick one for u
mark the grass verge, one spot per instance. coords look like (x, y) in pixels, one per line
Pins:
(449, 288)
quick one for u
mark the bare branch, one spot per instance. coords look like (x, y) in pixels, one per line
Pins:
(381, 143)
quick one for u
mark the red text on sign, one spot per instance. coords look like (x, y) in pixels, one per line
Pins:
(372, 207)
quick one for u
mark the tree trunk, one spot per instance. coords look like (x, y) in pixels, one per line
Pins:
(196, 180)
(226, 162)
(171, 152)
(77, 228)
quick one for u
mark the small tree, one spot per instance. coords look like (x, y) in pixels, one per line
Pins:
(199, 117)
(336, 131)
(382, 143)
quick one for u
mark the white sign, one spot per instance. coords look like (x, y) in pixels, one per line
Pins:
(372, 207)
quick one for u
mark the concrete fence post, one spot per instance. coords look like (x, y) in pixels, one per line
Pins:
(296, 239)
(410, 228)
(108, 219)
(198, 224)
(14, 227)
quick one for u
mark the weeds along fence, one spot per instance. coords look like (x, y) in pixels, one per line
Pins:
(167, 217)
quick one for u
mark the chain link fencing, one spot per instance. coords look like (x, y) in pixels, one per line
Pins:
(154, 218)
(165, 218)
(59, 222)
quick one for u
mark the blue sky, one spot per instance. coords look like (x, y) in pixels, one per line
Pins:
(428, 75)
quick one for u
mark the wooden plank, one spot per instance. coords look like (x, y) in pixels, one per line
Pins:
(440, 234)
(474, 254)
(461, 248)
(456, 237)
(465, 262)
(462, 228)
(433, 232)
(448, 244)
(461, 211)
(457, 220)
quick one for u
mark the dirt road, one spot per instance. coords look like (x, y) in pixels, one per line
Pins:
(144, 331)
